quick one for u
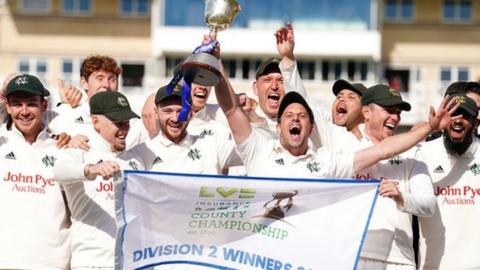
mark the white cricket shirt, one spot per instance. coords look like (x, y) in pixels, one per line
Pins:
(34, 227)
(390, 237)
(451, 239)
(266, 157)
(92, 205)
(194, 154)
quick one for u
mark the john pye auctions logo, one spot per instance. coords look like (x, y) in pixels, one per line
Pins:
(36, 179)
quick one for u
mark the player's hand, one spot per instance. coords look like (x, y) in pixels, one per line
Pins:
(69, 94)
(209, 38)
(62, 139)
(79, 142)
(248, 106)
(285, 41)
(106, 170)
(440, 119)
(389, 188)
(149, 116)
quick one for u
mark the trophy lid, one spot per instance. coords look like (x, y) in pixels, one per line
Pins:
(201, 68)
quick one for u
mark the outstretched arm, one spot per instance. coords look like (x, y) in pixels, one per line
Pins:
(229, 102)
(397, 144)
(237, 120)
(288, 67)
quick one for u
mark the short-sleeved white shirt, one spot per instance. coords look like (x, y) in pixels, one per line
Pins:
(92, 205)
(34, 230)
(267, 157)
(451, 239)
(390, 237)
(193, 154)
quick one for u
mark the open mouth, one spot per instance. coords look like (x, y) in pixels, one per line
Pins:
(274, 96)
(390, 126)
(341, 110)
(294, 130)
(457, 130)
(201, 95)
(121, 136)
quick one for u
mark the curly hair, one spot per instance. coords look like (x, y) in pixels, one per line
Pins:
(99, 62)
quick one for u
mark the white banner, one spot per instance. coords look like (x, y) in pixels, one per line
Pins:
(176, 221)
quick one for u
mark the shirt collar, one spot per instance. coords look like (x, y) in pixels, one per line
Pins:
(472, 149)
(185, 142)
(15, 134)
(201, 114)
(279, 149)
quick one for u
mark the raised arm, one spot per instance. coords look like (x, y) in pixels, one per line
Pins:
(237, 120)
(288, 67)
(397, 144)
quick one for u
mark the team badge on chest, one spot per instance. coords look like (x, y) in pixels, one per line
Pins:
(475, 169)
(49, 161)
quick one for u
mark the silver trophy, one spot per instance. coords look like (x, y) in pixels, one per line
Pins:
(201, 67)
(219, 14)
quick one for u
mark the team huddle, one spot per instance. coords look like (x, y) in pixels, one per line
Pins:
(58, 163)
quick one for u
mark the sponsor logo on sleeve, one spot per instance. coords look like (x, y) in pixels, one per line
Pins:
(79, 120)
(11, 156)
(280, 161)
(439, 169)
(157, 160)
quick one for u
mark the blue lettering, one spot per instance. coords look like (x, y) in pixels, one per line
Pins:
(231, 254)
(137, 255)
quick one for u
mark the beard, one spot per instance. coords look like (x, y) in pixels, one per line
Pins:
(457, 147)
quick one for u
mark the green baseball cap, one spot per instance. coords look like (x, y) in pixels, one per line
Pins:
(466, 104)
(339, 85)
(294, 97)
(113, 105)
(27, 83)
(267, 66)
(162, 93)
(385, 96)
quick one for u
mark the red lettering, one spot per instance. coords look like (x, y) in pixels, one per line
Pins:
(105, 187)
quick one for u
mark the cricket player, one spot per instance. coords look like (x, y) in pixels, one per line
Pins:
(339, 131)
(449, 239)
(389, 240)
(291, 154)
(90, 195)
(34, 231)
(174, 149)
